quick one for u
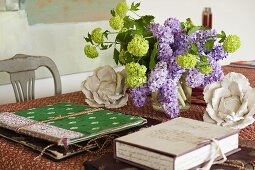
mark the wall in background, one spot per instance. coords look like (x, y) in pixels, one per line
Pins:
(65, 40)
(62, 42)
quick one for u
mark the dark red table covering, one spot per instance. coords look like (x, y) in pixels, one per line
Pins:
(15, 156)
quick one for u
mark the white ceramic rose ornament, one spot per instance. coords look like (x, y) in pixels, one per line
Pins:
(105, 88)
(230, 102)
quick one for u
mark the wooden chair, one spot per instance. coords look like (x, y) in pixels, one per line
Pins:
(22, 74)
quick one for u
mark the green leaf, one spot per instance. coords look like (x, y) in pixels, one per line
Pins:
(116, 56)
(194, 29)
(183, 25)
(106, 33)
(124, 37)
(223, 33)
(209, 44)
(222, 36)
(128, 57)
(189, 24)
(113, 12)
(128, 22)
(218, 35)
(203, 58)
(134, 6)
(153, 56)
(144, 21)
(88, 39)
(194, 49)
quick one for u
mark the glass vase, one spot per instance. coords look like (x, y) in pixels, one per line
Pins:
(184, 97)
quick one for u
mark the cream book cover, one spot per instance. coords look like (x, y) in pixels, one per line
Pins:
(180, 143)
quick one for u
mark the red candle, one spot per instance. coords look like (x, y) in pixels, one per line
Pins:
(207, 17)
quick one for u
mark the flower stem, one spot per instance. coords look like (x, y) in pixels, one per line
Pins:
(136, 14)
(181, 92)
(113, 32)
(149, 37)
(109, 42)
(181, 100)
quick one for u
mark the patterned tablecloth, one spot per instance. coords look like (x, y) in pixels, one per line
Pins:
(14, 156)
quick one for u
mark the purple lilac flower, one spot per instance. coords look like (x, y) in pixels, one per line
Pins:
(174, 24)
(168, 97)
(180, 44)
(175, 71)
(162, 33)
(164, 52)
(194, 78)
(139, 95)
(158, 76)
(218, 53)
(216, 74)
(200, 37)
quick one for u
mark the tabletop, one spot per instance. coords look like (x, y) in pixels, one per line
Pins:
(16, 156)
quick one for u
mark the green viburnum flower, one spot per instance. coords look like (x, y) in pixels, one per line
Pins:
(135, 69)
(187, 61)
(205, 69)
(122, 57)
(97, 36)
(135, 81)
(231, 43)
(138, 46)
(90, 51)
(116, 22)
(122, 9)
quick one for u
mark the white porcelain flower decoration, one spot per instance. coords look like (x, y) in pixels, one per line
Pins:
(105, 88)
(230, 102)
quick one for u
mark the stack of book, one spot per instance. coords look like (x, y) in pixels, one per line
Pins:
(67, 128)
(178, 144)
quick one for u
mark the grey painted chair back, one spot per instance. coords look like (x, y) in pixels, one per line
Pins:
(22, 74)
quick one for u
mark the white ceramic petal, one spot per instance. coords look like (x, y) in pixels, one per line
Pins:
(251, 112)
(120, 83)
(115, 97)
(250, 95)
(243, 124)
(213, 114)
(238, 78)
(92, 83)
(243, 109)
(208, 119)
(97, 99)
(217, 95)
(87, 93)
(107, 88)
(236, 89)
(106, 73)
(209, 90)
(119, 103)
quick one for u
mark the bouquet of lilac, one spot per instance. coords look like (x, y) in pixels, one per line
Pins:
(157, 57)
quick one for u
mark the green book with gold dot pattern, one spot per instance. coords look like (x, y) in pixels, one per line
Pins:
(68, 123)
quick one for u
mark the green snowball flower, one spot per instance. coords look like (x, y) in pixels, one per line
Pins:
(122, 58)
(205, 69)
(135, 69)
(122, 9)
(135, 81)
(232, 43)
(116, 22)
(187, 61)
(138, 46)
(90, 51)
(97, 36)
